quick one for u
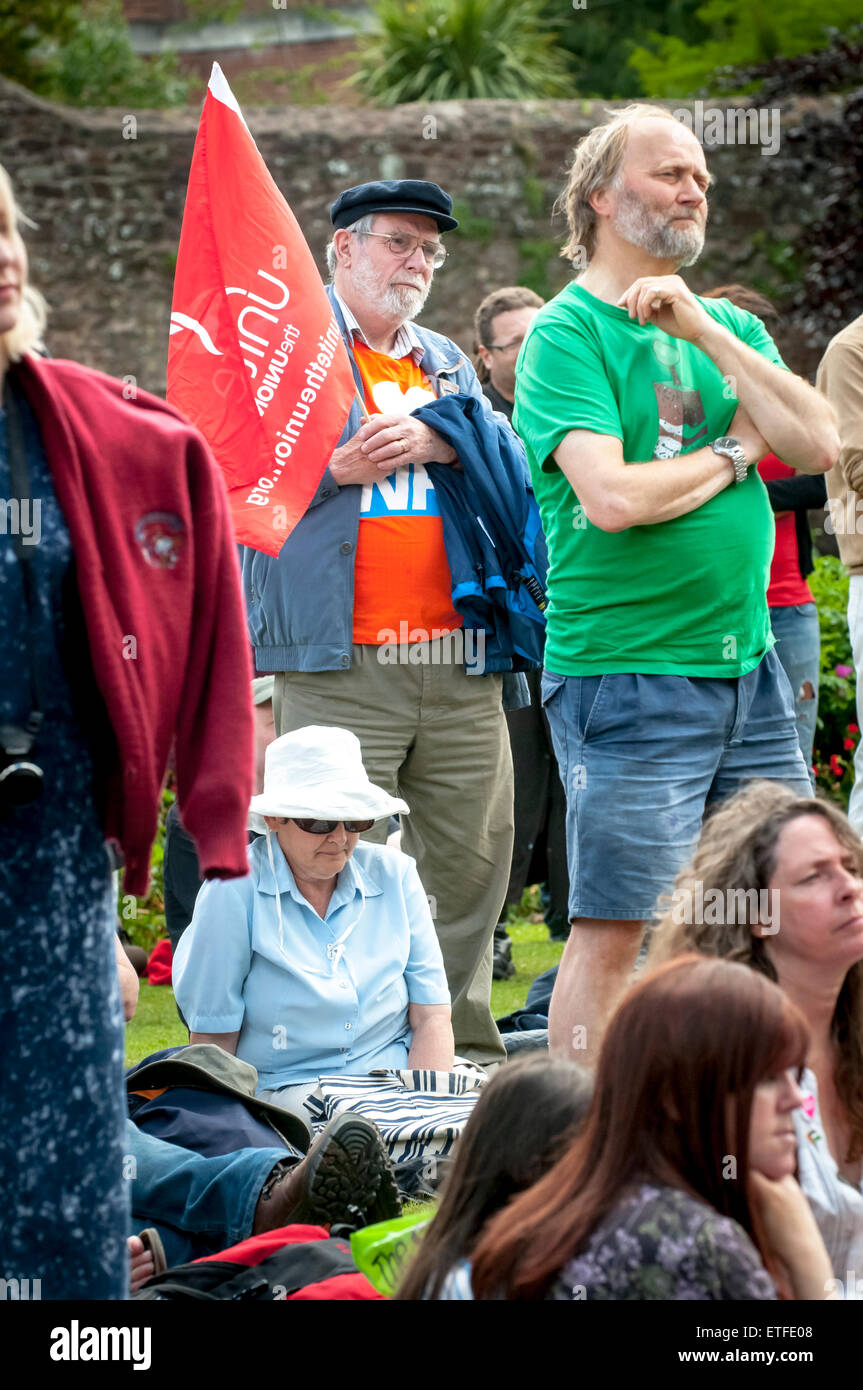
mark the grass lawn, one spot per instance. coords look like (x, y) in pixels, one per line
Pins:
(156, 1024)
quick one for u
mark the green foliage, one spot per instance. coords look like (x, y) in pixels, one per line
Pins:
(471, 226)
(22, 31)
(533, 195)
(214, 11)
(87, 59)
(598, 39)
(670, 65)
(533, 266)
(837, 733)
(445, 50)
(303, 84)
(144, 918)
(781, 255)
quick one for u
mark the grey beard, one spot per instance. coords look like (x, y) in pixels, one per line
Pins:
(404, 301)
(639, 227)
(401, 301)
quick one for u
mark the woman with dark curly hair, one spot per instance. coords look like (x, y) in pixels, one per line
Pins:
(776, 882)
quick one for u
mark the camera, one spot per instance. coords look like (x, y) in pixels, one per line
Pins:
(20, 779)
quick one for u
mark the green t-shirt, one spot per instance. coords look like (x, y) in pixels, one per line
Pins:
(685, 597)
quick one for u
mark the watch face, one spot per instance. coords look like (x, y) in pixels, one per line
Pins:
(726, 442)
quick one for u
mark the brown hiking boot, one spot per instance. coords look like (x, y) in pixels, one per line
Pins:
(346, 1180)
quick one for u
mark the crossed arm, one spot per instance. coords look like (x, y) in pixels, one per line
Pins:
(777, 411)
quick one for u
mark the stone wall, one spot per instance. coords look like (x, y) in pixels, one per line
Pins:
(109, 208)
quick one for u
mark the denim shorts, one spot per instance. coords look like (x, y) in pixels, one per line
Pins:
(641, 759)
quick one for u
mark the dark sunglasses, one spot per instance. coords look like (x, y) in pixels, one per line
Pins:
(326, 827)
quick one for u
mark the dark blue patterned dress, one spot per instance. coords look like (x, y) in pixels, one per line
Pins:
(63, 1201)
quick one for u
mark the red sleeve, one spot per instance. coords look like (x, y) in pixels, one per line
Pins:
(215, 728)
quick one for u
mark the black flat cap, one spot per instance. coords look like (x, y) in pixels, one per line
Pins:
(394, 195)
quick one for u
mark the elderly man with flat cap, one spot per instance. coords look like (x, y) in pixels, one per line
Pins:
(353, 615)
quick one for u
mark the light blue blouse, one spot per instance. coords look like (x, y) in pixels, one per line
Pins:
(312, 1010)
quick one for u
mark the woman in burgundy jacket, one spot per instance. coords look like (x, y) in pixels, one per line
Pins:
(121, 629)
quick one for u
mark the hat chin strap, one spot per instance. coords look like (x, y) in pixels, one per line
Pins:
(278, 894)
(336, 949)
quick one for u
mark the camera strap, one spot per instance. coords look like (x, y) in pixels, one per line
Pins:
(20, 487)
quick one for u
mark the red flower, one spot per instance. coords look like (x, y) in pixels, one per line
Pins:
(853, 728)
(849, 743)
(836, 765)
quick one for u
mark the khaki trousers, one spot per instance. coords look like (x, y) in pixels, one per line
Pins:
(438, 738)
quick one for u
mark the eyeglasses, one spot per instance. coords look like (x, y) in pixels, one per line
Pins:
(326, 827)
(505, 347)
(401, 245)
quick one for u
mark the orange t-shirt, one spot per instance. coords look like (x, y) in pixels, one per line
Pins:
(402, 580)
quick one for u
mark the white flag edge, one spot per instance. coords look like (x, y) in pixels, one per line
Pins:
(218, 86)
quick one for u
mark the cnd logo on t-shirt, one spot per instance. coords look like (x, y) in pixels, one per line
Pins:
(401, 570)
(407, 492)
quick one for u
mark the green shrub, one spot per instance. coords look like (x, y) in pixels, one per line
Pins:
(452, 50)
(836, 734)
(81, 55)
(144, 918)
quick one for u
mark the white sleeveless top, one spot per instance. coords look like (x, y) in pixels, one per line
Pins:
(836, 1203)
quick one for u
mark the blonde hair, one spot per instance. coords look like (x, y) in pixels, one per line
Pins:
(28, 331)
(596, 164)
(737, 853)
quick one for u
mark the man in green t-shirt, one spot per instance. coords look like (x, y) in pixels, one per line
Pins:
(643, 409)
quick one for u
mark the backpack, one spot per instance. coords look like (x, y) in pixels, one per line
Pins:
(292, 1263)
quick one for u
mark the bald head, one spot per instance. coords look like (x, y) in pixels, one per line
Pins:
(657, 200)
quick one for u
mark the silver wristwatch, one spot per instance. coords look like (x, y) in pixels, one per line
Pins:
(732, 449)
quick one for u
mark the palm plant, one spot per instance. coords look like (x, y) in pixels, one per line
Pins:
(444, 50)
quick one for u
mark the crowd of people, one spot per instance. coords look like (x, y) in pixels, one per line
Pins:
(614, 499)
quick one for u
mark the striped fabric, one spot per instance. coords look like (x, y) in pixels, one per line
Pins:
(419, 1113)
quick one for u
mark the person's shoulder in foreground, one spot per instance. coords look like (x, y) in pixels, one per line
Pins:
(661, 1243)
(86, 389)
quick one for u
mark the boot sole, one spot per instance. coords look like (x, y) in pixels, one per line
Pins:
(350, 1180)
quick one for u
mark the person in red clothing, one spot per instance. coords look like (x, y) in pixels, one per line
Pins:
(122, 628)
(793, 615)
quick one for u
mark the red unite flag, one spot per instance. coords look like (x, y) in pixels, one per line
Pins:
(256, 360)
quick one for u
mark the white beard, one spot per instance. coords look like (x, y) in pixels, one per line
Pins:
(646, 228)
(400, 301)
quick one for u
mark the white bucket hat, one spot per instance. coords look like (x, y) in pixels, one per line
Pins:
(318, 773)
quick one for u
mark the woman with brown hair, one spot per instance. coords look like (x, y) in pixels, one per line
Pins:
(776, 882)
(497, 1156)
(681, 1185)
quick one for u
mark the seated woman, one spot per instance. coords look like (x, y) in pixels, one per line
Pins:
(324, 959)
(680, 1186)
(498, 1155)
(776, 882)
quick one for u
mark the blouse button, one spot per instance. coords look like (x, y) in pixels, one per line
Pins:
(347, 1025)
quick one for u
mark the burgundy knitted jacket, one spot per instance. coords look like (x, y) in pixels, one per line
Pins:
(159, 585)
